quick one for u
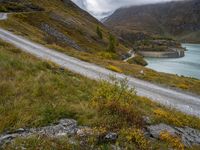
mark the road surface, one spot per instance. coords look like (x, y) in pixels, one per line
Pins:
(184, 102)
(132, 55)
(3, 16)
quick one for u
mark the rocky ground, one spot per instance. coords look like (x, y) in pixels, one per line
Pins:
(70, 128)
(60, 36)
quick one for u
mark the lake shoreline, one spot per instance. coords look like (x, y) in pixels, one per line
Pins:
(188, 66)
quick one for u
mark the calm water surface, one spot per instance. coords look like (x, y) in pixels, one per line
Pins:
(187, 66)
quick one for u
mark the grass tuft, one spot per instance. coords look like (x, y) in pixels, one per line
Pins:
(114, 68)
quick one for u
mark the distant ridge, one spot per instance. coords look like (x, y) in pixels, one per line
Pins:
(180, 19)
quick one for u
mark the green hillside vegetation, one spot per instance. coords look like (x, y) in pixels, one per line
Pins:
(67, 20)
(66, 28)
(35, 93)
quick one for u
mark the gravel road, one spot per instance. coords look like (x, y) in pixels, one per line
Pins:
(184, 102)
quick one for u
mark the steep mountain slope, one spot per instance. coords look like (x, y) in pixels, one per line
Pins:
(61, 23)
(176, 19)
(36, 93)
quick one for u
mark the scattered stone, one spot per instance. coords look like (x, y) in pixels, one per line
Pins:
(142, 72)
(125, 56)
(20, 130)
(65, 127)
(62, 69)
(157, 129)
(84, 131)
(111, 137)
(147, 120)
(69, 127)
(60, 37)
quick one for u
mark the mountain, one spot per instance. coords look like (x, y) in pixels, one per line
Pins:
(179, 20)
(43, 105)
(61, 23)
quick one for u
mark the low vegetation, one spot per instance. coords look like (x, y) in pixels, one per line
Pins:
(41, 143)
(135, 139)
(34, 93)
(116, 105)
(172, 141)
(114, 68)
(139, 60)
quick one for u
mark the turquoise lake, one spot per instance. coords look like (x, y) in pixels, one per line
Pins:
(187, 66)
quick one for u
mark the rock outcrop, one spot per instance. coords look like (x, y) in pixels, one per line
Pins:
(65, 127)
(188, 135)
(60, 37)
(69, 127)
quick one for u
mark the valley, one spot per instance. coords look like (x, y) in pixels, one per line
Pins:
(68, 81)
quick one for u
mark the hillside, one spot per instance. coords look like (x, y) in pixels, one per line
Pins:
(179, 20)
(36, 94)
(60, 23)
(46, 106)
(63, 26)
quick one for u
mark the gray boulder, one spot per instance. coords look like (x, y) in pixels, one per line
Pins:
(65, 127)
(155, 130)
(188, 135)
(111, 137)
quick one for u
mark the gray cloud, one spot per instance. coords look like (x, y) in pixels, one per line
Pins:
(101, 8)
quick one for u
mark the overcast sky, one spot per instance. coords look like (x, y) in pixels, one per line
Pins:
(101, 8)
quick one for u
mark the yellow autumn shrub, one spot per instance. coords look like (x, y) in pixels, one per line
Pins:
(114, 68)
(136, 136)
(115, 105)
(168, 117)
(183, 86)
(173, 141)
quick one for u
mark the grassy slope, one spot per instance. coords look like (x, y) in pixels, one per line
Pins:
(69, 20)
(84, 33)
(35, 93)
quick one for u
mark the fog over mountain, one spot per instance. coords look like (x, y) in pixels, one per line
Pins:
(102, 8)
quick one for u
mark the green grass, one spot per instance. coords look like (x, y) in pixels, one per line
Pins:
(41, 143)
(34, 93)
